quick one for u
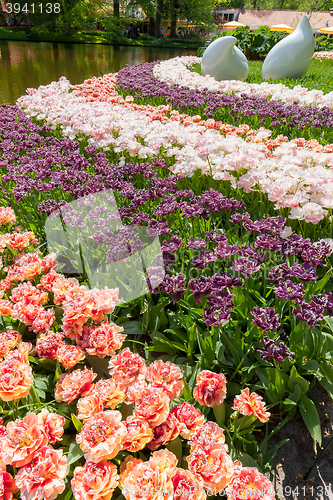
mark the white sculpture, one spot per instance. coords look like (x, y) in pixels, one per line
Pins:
(292, 56)
(224, 61)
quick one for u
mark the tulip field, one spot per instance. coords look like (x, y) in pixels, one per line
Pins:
(166, 294)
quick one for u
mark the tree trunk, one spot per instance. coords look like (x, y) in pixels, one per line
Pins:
(173, 19)
(158, 18)
(173, 31)
(151, 26)
(116, 8)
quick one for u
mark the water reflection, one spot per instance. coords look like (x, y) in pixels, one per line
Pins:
(30, 64)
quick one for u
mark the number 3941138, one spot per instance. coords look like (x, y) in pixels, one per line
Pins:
(310, 490)
(32, 8)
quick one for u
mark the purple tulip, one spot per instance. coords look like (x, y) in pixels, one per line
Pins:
(265, 318)
(278, 352)
(287, 290)
(246, 266)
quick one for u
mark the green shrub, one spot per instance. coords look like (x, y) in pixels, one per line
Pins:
(324, 44)
(254, 44)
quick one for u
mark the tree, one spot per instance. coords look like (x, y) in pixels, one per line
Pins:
(56, 15)
(174, 13)
(193, 11)
(198, 11)
(315, 5)
(149, 7)
(231, 4)
(116, 8)
(159, 13)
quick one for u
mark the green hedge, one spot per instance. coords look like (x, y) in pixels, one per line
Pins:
(257, 44)
(324, 44)
(254, 44)
(32, 35)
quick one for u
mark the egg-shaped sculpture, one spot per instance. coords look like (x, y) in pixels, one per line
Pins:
(224, 61)
(292, 56)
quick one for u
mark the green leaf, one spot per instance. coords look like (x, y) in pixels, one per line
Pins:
(180, 335)
(162, 339)
(77, 423)
(219, 414)
(74, 454)
(321, 283)
(66, 495)
(187, 391)
(264, 380)
(162, 348)
(295, 378)
(288, 401)
(246, 460)
(327, 370)
(327, 386)
(69, 494)
(297, 336)
(310, 417)
(279, 383)
(245, 421)
(192, 339)
(132, 328)
(35, 394)
(311, 365)
(273, 396)
(233, 389)
(268, 457)
(175, 446)
(57, 372)
(329, 321)
(46, 364)
(294, 396)
(44, 382)
(126, 411)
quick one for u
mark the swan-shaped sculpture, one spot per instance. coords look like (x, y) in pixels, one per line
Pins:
(292, 56)
(224, 61)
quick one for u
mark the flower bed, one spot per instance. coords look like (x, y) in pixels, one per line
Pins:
(177, 71)
(322, 56)
(232, 101)
(72, 322)
(106, 398)
(255, 159)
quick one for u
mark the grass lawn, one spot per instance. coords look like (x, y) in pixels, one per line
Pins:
(318, 77)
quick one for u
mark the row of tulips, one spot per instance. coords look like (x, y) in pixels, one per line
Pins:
(177, 71)
(290, 119)
(209, 250)
(323, 56)
(295, 174)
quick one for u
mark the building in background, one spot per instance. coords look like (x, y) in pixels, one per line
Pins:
(269, 17)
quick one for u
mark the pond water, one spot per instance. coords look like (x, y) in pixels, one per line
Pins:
(30, 64)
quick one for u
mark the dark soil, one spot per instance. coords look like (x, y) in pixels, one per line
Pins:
(295, 457)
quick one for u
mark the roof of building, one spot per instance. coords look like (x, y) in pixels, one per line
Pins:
(270, 17)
